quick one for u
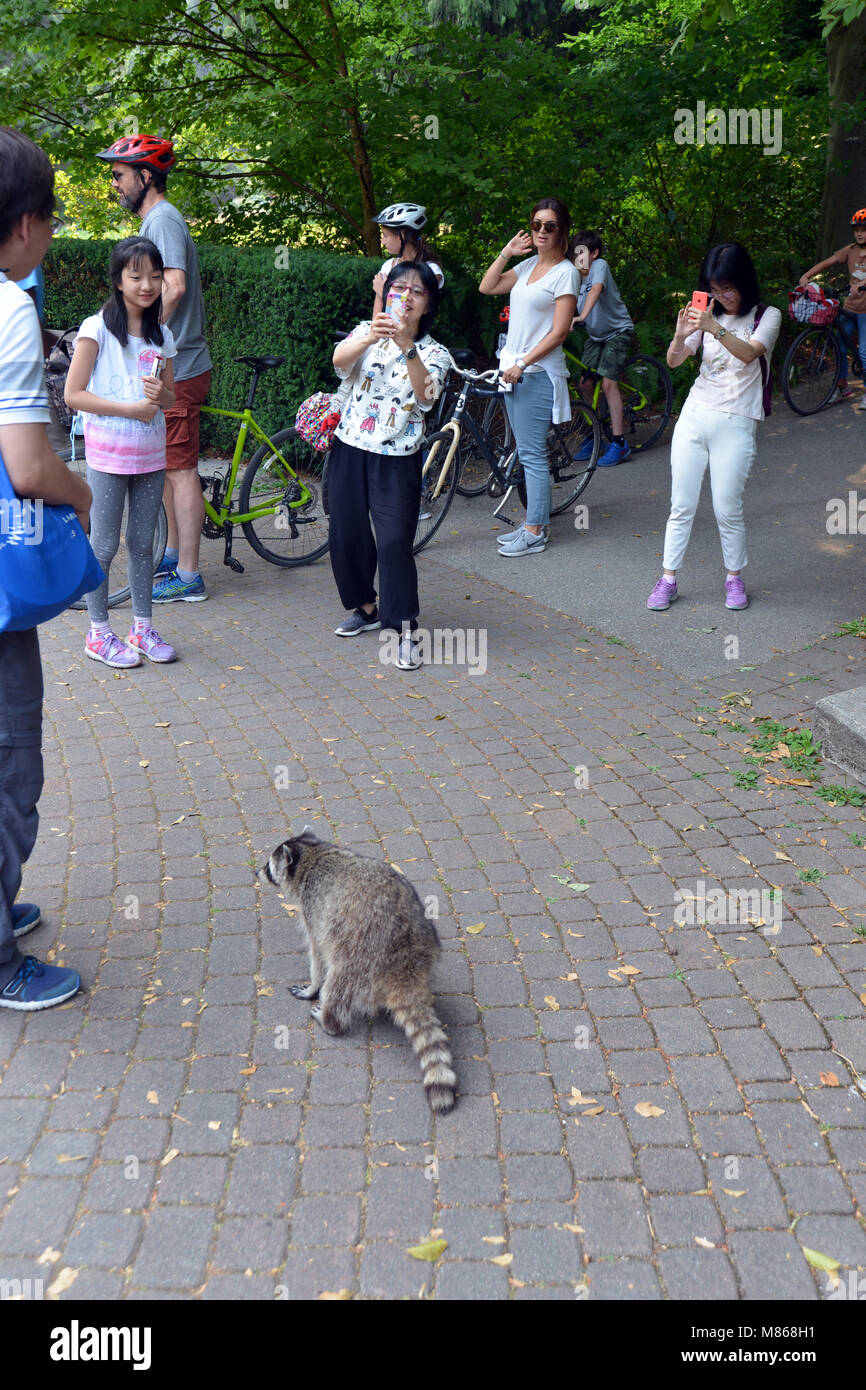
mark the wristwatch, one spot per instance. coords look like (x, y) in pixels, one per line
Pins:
(722, 333)
(519, 362)
(413, 352)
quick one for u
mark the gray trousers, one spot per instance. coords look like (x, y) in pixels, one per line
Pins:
(21, 776)
(110, 493)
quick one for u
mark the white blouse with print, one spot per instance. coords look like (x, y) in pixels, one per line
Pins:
(382, 414)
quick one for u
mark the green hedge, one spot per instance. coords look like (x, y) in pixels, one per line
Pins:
(283, 302)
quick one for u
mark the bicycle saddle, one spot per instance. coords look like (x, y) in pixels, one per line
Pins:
(464, 357)
(261, 363)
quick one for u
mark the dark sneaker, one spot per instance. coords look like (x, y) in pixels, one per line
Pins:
(408, 657)
(359, 621)
(663, 594)
(172, 589)
(38, 986)
(614, 454)
(25, 917)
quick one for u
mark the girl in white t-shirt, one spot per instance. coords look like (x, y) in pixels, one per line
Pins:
(401, 225)
(719, 421)
(543, 297)
(112, 380)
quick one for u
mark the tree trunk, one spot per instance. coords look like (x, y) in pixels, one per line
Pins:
(845, 176)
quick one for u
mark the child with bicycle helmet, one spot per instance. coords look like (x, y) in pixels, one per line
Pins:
(401, 225)
(718, 423)
(853, 316)
(112, 380)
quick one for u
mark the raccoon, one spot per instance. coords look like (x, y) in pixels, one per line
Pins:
(371, 948)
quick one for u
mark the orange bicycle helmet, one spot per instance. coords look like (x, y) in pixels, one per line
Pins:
(859, 218)
(149, 150)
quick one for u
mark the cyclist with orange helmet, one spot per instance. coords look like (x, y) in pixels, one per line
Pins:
(853, 317)
(139, 168)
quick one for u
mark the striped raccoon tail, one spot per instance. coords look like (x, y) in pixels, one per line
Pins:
(416, 1016)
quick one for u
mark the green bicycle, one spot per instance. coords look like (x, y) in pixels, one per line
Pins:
(280, 512)
(647, 399)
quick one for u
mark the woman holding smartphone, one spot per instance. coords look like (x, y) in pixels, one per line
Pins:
(718, 423)
(543, 297)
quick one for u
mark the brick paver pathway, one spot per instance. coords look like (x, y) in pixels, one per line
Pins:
(183, 1130)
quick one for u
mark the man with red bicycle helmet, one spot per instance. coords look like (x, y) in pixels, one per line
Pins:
(852, 320)
(139, 170)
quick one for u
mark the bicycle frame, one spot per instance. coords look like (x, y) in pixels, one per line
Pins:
(248, 424)
(625, 387)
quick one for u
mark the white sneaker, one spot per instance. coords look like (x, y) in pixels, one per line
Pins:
(861, 404)
(407, 658)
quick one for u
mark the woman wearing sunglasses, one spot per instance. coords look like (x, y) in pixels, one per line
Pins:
(543, 295)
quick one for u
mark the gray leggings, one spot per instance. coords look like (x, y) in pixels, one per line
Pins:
(110, 491)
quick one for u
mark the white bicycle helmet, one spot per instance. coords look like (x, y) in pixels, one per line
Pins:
(403, 215)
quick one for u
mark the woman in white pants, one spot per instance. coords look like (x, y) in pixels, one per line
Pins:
(718, 423)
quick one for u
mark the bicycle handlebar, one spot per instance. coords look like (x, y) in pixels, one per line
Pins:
(491, 376)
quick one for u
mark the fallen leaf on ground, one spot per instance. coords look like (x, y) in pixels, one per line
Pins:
(49, 1256)
(214, 1124)
(476, 928)
(248, 1071)
(819, 1261)
(649, 1112)
(501, 1259)
(734, 1192)
(340, 1296)
(172, 1153)
(829, 1078)
(70, 1158)
(152, 1098)
(65, 1279)
(488, 1240)
(628, 970)
(430, 1250)
(594, 1110)
(705, 1244)
(577, 1099)
(144, 764)
(551, 1003)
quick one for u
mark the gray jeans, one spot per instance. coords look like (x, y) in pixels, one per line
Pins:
(110, 491)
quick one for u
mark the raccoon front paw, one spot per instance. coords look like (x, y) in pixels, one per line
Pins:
(304, 991)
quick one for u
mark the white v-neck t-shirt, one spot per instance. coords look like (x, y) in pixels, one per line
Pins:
(530, 318)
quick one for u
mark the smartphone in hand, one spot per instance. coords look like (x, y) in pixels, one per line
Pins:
(700, 301)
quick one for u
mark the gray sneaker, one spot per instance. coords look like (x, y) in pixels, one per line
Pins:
(524, 543)
(508, 536)
(359, 621)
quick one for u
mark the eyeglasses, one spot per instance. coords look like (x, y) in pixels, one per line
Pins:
(539, 226)
(56, 223)
(401, 289)
(723, 293)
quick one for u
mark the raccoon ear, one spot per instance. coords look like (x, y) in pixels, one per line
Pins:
(291, 855)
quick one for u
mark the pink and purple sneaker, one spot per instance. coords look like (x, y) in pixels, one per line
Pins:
(151, 645)
(110, 650)
(663, 594)
(735, 593)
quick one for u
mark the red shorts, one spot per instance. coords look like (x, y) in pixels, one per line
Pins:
(182, 422)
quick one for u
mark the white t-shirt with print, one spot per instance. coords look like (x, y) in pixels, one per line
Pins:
(433, 265)
(23, 395)
(382, 414)
(530, 318)
(115, 443)
(724, 382)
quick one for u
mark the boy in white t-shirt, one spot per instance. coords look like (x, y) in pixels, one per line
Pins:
(34, 470)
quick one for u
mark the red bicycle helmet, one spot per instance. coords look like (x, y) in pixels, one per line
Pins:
(859, 218)
(149, 150)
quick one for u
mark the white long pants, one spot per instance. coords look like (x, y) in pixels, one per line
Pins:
(727, 443)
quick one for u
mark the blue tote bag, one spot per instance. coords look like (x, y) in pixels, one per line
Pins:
(46, 561)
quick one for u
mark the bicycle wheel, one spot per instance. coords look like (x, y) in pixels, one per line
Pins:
(572, 449)
(647, 400)
(271, 480)
(811, 370)
(435, 500)
(489, 414)
(118, 581)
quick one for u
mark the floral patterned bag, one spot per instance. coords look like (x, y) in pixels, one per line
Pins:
(317, 420)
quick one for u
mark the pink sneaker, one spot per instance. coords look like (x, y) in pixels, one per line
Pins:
(735, 593)
(663, 594)
(151, 645)
(110, 650)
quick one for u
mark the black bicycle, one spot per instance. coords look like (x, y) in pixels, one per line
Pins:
(572, 447)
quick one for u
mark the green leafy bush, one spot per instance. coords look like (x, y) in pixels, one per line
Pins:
(287, 303)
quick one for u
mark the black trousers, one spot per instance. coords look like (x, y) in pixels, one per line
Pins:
(387, 489)
(20, 776)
